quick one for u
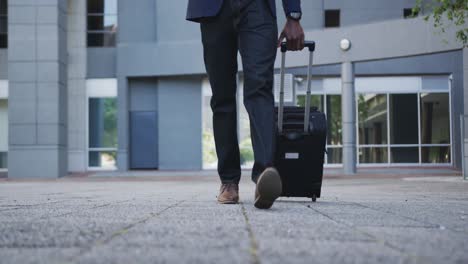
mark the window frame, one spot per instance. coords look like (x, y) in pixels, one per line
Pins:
(110, 32)
(419, 145)
(99, 88)
(370, 84)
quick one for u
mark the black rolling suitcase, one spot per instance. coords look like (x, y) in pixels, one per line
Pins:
(301, 140)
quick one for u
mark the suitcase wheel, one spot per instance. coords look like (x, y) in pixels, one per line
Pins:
(314, 198)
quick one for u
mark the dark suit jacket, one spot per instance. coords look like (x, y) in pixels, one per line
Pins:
(198, 9)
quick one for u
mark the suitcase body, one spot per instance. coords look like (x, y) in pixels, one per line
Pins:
(300, 144)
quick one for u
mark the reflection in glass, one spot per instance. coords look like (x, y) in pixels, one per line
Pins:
(404, 155)
(373, 155)
(102, 159)
(334, 155)
(102, 22)
(101, 39)
(102, 123)
(435, 154)
(372, 116)
(435, 118)
(403, 119)
(102, 6)
(315, 100)
(334, 119)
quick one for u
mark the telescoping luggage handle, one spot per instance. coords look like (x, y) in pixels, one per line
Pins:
(311, 46)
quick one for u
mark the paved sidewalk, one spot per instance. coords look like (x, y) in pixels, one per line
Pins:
(177, 220)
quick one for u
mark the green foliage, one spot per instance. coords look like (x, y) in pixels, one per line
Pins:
(456, 11)
(315, 101)
(334, 119)
(110, 122)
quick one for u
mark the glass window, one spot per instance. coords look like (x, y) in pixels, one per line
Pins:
(101, 39)
(245, 142)
(435, 118)
(3, 24)
(102, 6)
(3, 160)
(404, 154)
(102, 123)
(103, 159)
(373, 155)
(3, 133)
(3, 7)
(334, 155)
(372, 116)
(102, 23)
(334, 120)
(403, 119)
(332, 18)
(435, 154)
(102, 132)
(3, 41)
(210, 159)
(408, 13)
(315, 100)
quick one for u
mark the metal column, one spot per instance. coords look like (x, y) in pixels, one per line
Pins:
(348, 108)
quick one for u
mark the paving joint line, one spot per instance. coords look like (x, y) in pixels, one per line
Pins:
(124, 230)
(90, 208)
(253, 249)
(70, 213)
(16, 207)
(431, 225)
(376, 239)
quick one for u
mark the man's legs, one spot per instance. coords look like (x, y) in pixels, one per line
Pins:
(220, 48)
(257, 44)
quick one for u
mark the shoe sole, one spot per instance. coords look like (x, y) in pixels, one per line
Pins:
(269, 189)
(228, 202)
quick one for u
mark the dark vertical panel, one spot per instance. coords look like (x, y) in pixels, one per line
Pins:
(143, 140)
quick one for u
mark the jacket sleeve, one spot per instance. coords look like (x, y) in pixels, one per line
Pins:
(291, 6)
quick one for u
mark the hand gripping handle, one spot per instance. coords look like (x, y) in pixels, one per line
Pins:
(307, 44)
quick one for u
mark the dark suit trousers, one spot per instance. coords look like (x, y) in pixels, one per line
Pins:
(251, 30)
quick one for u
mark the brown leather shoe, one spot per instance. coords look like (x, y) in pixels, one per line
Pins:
(268, 188)
(228, 193)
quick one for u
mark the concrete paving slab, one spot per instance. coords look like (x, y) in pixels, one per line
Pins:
(177, 220)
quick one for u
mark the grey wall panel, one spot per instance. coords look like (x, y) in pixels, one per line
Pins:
(180, 123)
(101, 62)
(171, 24)
(367, 11)
(447, 62)
(312, 17)
(186, 57)
(424, 64)
(143, 94)
(37, 128)
(137, 21)
(3, 64)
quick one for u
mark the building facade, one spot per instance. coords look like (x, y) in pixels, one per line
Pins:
(116, 84)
